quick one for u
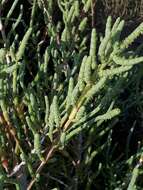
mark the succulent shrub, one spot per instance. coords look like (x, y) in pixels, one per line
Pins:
(59, 95)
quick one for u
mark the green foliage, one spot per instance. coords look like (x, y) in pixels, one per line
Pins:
(60, 98)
